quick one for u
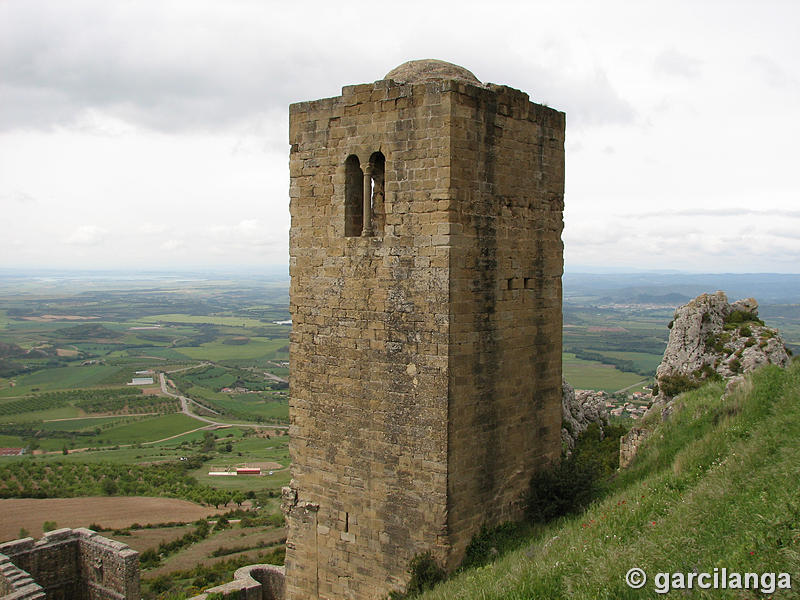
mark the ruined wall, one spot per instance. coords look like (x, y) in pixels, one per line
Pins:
(77, 564)
(425, 358)
(16, 584)
(253, 582)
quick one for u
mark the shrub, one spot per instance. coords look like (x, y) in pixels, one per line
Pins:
(742, 316)
(672, 385)
(491, 542)
(425, 573)
(49, 526)
(563, 489)
(149, 559)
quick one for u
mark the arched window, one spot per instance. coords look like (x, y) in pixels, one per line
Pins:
(353, 197)
(377, 162)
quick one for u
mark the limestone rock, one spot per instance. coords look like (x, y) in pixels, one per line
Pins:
(711, 337)
(580, 408)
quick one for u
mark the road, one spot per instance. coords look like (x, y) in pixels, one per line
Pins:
(186, 409)
(637, 384)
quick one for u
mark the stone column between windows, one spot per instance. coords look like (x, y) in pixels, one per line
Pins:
(367, 230)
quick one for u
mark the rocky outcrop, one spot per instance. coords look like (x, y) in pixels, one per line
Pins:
(712, 338)
(580, 408)
(629, 445)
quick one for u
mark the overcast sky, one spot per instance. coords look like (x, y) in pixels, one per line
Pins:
(153, 134)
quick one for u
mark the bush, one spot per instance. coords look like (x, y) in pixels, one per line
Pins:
(425, 573)
(563, 489)
(741, 316)
(49, 526)
(492, 542)
(672, 385)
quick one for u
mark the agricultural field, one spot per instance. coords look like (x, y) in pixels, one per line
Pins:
(116, 513)
(593, 375)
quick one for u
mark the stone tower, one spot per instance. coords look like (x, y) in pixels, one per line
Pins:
(426, 262)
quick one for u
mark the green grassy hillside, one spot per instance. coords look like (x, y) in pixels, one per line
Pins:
(716, 486)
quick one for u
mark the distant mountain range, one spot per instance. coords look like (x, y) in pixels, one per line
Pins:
(679, 288)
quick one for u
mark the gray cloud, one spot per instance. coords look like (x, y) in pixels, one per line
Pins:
(19, 197)
(162, 66)
(589, 98)
(675, 63)
(772, 73)
(143, 63)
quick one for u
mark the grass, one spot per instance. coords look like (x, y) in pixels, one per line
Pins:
(210, 320)
(641, 360)
(715, 486)
(150, 429)
(257, 348)
(63, 378)
(585, 374)
(249, 450)
(81, 424)
(62, 412)
(252, 405)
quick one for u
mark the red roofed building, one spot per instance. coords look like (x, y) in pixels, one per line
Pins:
(11, 451)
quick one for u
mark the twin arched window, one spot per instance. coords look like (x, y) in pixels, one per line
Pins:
(364, 195)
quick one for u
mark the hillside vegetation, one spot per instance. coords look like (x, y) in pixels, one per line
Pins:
(715, 486)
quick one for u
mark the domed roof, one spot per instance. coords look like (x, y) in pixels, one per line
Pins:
(415, 71)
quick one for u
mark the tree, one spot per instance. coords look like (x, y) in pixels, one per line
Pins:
(209, 442)
(109, 486)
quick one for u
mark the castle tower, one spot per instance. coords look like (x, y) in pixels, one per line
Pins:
(426, 262)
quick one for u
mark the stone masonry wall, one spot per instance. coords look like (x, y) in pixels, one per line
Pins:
(77, 565)
(253, 582)
(425, 358)
(368, 344)
(16, 584)
(507, 183)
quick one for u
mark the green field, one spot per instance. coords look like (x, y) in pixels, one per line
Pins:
(210, 319)
(150, 429)
(257, 349)
(64, 378)
(583, 374)
(82, 424)
(641, 360)
(62, 412)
